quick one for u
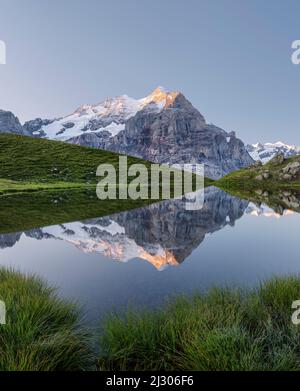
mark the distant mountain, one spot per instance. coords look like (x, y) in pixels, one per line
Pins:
(163, 127)
(9, 123)
(265, 152)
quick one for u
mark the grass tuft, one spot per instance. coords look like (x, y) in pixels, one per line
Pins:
(42, 332)
(225, 329)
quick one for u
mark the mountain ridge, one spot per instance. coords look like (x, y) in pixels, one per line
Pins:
(267, 151)
(103, 116)
(163, 127)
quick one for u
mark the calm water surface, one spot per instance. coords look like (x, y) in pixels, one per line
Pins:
(143, 256)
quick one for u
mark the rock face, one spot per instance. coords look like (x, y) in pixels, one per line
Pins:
(291, 172)
(179, 134)
(10, 123)
(163, 127)
(278, 169)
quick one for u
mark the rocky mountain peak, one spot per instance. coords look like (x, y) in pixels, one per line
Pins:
(164, 99)
(9, 123)
(161, 96)
(163, 127)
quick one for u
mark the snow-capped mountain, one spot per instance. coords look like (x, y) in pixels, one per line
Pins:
(108, 116)
(265, 152)
(163, 127)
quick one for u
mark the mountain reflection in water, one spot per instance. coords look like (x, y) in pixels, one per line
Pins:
(162, 234)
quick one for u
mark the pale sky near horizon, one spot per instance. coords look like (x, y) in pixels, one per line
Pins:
(230, 58)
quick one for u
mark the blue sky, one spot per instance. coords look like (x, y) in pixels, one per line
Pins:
(231, 58)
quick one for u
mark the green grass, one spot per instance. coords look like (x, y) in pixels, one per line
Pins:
(244, 179)
(42, 332)
(226, 329)
(8, 187)
(46, 182)
(30, 164)
(277, 193)
(28, 210)
(33, 160)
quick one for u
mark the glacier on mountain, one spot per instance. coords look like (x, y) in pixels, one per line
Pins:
(265, 152)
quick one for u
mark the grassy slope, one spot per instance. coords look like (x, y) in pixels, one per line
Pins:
(245, 179)
(276, 193)
(27, 163)
(33, 164)
(226, 329)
